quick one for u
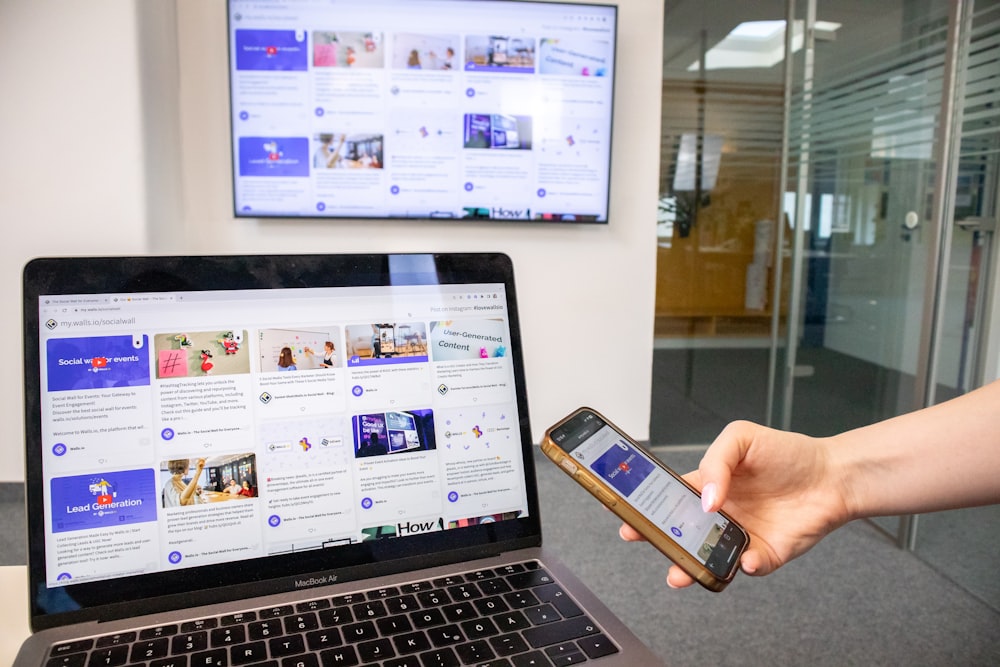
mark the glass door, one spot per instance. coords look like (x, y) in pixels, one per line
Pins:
(889, 203)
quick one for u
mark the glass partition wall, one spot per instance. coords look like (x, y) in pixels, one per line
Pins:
(826, 246)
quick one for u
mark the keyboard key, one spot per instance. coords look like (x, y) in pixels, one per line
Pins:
(393, 625)
(433, 598)
(533, 659)
(333, 617)
(373, 651)
(459, 612)
(348, 600)
(285, 646)
(494, 586)
(306, 660)
(116, 640)
(491, 605)
(416, 587)
(402, 604)
(214, 658)
(150, 649)
(445, 635)
(479, 628)
(312, 605)
(200, 624)
(405, 661)
(508, 644)
(72, 647)
(301, 623)
(411, 643)
(176, 661)
(557, 597)
(480, 575)
(230, 635)
(427, 618)
(513, 568)
(246, 654)
(597, 646)
(383, 593)
(276, 612)
(109, 657)
(240, 617)
(369, 610)
(320, 639)
(343, 656)
(474, 652)
(186, 643)
(265, 629)
(439, 658)
(158, 631)
(464, 592)
(530, 579)
(543, 613)
(445, 582)
(561, 631)
(359, 632)
(510, 621)
(521, 599)
(565, 654)
(68, 660)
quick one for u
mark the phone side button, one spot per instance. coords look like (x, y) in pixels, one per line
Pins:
(606, 498)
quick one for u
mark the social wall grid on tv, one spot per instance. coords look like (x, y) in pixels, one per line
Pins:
(422, 109)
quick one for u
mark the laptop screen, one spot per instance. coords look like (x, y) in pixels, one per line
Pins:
(198, 425)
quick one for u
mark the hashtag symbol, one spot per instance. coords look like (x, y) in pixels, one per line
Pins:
(171, 363)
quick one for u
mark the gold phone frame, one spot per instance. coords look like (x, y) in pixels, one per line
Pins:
(627, 513)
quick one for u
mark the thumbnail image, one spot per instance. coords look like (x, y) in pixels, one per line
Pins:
(386, 343)
(201, 353)
(271, 50)
(195, 481)
(299, 349)
(574, 57)
(501, 131)
(357, 50)
(274, 157)
(497, 53)
(479, 520)
(393, 432)
(342, 151)
(469, 339)
(100, 362)
(426, 52)
(103, 500)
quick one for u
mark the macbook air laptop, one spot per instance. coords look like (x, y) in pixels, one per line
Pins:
(291, 461)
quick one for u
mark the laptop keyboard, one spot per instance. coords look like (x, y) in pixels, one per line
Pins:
(513, 616)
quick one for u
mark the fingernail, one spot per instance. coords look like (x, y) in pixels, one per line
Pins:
(708, 495)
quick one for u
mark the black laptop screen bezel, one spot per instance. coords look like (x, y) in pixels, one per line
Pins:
(163, 591)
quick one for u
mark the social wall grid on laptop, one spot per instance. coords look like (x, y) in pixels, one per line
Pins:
(189, 428)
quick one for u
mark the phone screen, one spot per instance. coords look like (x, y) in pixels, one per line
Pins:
(710, 538)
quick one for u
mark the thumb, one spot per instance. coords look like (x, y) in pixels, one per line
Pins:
(720, 461)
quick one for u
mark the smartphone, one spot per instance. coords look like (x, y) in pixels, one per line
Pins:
(648, 496)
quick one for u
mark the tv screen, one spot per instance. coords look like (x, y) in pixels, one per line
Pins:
(421, 109)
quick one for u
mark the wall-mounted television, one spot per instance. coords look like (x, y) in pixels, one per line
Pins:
(421, 109)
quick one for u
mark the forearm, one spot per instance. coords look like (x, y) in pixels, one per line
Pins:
(944, 457)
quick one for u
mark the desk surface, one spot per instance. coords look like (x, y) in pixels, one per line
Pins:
(14, 611)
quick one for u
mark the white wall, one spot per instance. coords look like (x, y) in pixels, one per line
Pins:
(123, 104)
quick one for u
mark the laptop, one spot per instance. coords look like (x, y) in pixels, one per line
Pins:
(291, 461)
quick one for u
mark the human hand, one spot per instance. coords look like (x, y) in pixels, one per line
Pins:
(200, 464)
(780, 486)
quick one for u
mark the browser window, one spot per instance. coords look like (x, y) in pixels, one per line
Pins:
(192, 428)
